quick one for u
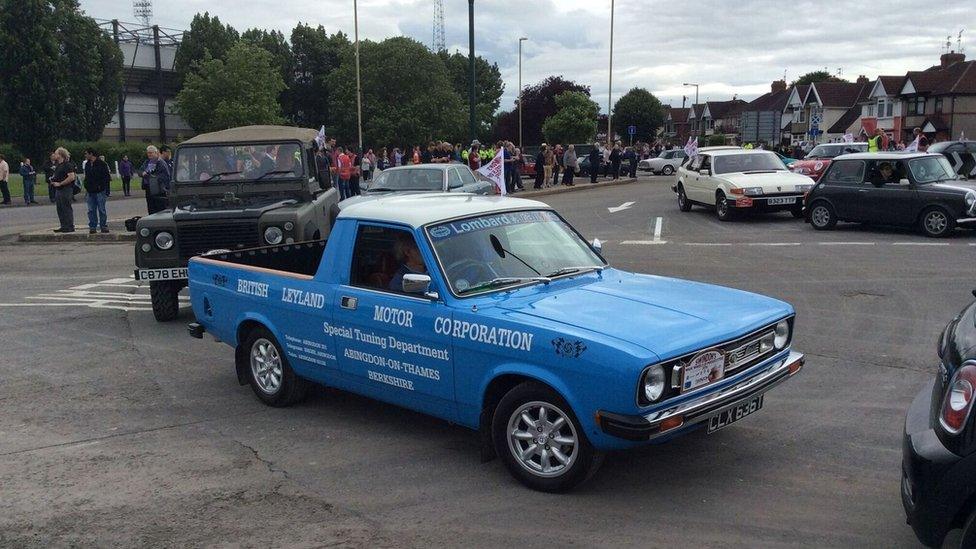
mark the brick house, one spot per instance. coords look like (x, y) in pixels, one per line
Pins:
(941, 99)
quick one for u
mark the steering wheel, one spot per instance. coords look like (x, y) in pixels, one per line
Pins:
(467, 268)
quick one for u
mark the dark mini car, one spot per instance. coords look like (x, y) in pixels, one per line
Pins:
(938, 487)
(907, 189)
(961, 154)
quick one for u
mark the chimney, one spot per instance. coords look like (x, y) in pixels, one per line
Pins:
(862, 80)
(778, 86)
(951, 58)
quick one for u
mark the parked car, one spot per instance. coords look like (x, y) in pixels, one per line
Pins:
(421, 178)
(584, 166)
(528, 166)
(665, 163)
(816, 161)
(236, 188)
(938, 485)
(739, 180)
(787, 161)
(494, 313)
(961, 154)
(921, 190)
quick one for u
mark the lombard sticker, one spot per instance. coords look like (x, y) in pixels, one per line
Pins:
(302, 297)
(568, 349)
(454, 228)
(250, 287)
(440, 232)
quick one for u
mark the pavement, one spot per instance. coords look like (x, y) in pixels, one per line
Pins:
(117, 430)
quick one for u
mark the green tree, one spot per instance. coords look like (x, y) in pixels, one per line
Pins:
(219, 95)
(817, 76)
(488, 87)
(207, 35)
(538, 104)
(574, 121)
(274, 43)
(407, 96)
(316, 56)
(640, 108)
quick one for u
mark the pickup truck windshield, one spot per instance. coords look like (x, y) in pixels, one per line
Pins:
(410, 179)
(537, 245)
(751, 162)
(220, 163)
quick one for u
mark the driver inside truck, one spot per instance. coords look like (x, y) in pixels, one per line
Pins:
(410, 260)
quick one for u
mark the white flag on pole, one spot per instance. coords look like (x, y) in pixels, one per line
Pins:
(848, 138)
(913, 146)
(691, 148)
(495, 171)
(320, 138)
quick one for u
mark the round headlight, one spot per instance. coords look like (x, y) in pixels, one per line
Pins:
(653, 383)
(144, 232)
(164, 240)
(289, 225)
(782, 335)
(273, 235)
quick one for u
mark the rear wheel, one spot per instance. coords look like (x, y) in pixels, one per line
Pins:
(722, 208)
(683, 203)
(540, 440)
(936, 223)
(165, 296)
(268, 370)
(822, 216)
(667, 169)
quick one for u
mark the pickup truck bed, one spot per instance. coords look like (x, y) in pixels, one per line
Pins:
(300, 258)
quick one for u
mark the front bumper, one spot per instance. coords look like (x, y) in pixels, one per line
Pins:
(761, 203)
(689, 413)
(933, 487)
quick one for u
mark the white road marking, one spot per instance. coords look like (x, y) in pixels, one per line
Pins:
(623, 206)
(847, 243)
(919, 243)
(708, 244)
(97, 295)
(644, 242)
(773, 243)
(116, 281)
(657, 229)
(97, 284)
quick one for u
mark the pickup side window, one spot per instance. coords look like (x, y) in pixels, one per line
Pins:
(382, 255)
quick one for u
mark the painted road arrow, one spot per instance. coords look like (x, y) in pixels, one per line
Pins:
(623, 206)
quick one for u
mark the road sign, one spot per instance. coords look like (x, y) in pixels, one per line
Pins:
(631, 130)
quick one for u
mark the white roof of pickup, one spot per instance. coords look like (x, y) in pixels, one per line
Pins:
(418, 210)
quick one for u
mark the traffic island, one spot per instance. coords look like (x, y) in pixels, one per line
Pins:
(580, 183)
(117, 233)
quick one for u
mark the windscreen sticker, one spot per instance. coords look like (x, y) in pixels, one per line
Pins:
(455, 228)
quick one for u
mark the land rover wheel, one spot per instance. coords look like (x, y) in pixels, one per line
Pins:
(683, 203)
(540, 440)
(822, 216)
(667, 169)
(936, 223)
(722, 208)
(270, 375)
(165, 296)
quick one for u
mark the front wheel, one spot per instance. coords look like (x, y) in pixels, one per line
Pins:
(822, 216)
(936, 223)
(683, 203)
(667, 170)
(165, 296)
(722, 207)
(268, 370)
(540, 440)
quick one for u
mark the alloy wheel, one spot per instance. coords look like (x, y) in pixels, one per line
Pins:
(936, 222)
(266, 366)
(542, 439)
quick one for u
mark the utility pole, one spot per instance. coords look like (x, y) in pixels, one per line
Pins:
(700, 130)
(610, 85)
(359, 90)
(520, 91)
(471, 119)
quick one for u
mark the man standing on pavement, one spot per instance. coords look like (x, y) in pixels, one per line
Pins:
(156, 176)
(615, 160)
(474, 156)
(63, 181)
(97, 180)
(558, 154)
(631, 157)
(540, 167)
(596, 156)
(4, 175)
(125, 172)
(29, 176)
(570, 163)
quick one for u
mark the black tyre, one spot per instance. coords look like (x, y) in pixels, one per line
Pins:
(797, 212)
(540, 440)
(722, 208)
(683, 203)
(935, 222)
(667, 169)
(165, 296)
(969, 532)
(822, 216)
(268, 371)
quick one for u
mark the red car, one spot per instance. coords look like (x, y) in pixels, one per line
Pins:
(528, 166)
(815, 163)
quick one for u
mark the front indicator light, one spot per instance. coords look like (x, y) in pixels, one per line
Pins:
(671, 423)
(146, 247)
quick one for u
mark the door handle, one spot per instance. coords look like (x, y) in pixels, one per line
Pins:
(348, 302)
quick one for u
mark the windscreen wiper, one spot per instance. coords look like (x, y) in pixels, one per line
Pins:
(568, 270)
(505, 281)
(216, 175)
(273, 172)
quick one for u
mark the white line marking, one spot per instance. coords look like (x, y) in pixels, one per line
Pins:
(657, 229)
(707, 244)
(919, 243)
(847, 243)
(644, 242)
(115, 281)
(97, 284)
(773, 243)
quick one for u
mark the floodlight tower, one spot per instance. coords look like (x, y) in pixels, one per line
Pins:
(439, 42)
(143, 11)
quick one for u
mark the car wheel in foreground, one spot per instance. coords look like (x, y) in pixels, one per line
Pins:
(270, 375)
(667, 169)
(822, 216)
(722, 207)
(165, 297)
(683, 203)
(538, 437)
(936, 223)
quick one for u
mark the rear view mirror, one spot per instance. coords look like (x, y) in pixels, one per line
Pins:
(703, 172)
(416, 283)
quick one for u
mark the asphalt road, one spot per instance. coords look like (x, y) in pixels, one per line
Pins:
(119, 431)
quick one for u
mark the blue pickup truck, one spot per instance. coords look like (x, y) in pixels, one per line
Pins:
(496, 314)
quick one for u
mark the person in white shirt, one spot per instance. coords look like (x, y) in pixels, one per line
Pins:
(4, 175)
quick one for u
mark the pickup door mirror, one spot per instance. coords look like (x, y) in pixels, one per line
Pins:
(418, 284)
(904, 181)
(597, 245)
(703, 171)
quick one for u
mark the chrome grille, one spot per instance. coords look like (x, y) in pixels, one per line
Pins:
(196, 239)
(737, 357)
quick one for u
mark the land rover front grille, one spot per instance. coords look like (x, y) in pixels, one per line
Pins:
(197, 239)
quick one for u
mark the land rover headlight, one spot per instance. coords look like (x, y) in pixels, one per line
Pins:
(273, 235)
(653, 383)
(782, 335)
(164, 240)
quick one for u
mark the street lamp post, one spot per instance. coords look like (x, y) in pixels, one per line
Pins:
(471, 120)
(520, 90)
(359, 92)
(695, 103)
(610, 85)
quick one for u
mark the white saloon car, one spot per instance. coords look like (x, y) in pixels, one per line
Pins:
(739, 180)
(667, 162)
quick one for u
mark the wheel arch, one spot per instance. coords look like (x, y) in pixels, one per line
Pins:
(935, 204)
(244, 327)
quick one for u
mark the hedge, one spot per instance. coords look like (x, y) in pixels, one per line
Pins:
(112, 150)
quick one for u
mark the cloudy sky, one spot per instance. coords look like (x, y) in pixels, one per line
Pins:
(729, 47)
